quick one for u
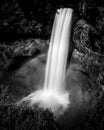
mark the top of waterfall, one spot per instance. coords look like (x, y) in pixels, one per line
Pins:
(70, 9)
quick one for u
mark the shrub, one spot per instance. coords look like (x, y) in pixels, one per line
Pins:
(12, 118)
(22, 117)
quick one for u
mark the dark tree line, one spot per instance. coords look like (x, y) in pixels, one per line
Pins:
(34, 18)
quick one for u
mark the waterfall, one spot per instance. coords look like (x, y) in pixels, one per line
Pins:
(58, 50)
(53, 94)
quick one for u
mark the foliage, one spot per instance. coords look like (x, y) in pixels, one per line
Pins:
(6, 54)
(81, 34)
(31, 18)
(88, 30)
(14, 23)
(95, 117)
(23, 118)
(85, 37)
(88, 39)
(6, 97)
(13, 118)
(87, 42)
(20, 50)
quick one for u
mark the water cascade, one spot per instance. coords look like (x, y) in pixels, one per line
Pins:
(53, 94)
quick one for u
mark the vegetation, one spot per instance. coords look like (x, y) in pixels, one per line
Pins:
(23, 119)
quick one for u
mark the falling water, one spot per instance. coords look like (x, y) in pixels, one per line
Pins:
(58, 50)
(53, 94)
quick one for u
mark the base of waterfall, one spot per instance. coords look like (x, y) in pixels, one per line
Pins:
(53, 100)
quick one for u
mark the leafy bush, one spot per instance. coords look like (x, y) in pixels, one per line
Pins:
(13, 22)
(6, 54)
(13, 118)
(88, 30)
(95, 118)
(83, 36)
(6, 96)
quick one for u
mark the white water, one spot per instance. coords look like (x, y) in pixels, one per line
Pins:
(58, 50)
(53, 94)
